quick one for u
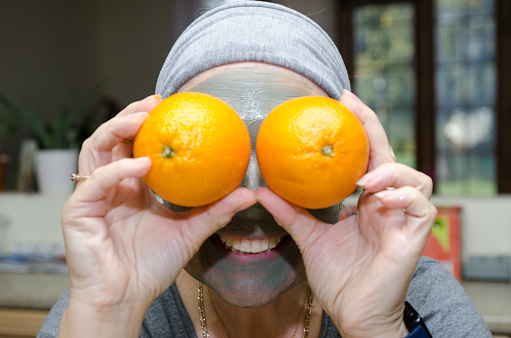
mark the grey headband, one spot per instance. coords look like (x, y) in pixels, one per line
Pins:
(254, 31)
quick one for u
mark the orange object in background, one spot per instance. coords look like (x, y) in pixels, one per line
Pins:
(444, 241)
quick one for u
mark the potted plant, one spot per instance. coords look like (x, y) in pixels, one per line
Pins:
(57, 154)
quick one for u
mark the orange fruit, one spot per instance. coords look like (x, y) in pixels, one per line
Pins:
(199, 148)
(311, 151)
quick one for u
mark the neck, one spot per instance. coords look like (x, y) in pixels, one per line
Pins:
(277, 319)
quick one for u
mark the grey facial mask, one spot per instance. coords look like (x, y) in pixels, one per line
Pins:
(252, 92)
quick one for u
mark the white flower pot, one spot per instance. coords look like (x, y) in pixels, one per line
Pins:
(53, 170)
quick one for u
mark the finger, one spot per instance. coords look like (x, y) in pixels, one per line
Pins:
(117, 132)
(298, 222)
(414, 205)
(124, 149)
(90, 197)
(395, 175)
(132, 115)
(204, 221)
(113, 139)
(381, 152)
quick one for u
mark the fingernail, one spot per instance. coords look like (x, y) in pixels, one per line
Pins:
(365, 180)
(383, 194)
(361, 182)
(351, 95)
(389, 193)
(138, 115)
(143, 159)
(392, 154)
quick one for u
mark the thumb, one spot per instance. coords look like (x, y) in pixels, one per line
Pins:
(297, 221)
(206, 220)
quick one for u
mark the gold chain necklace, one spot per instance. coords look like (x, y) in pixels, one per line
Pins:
(309, 297)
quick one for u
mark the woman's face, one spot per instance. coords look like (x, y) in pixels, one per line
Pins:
(252, 260)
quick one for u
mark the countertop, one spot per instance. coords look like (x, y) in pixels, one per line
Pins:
(31, 290)
(41, 291)
(493, 300)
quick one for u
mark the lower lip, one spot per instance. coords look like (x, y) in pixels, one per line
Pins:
(251, 257)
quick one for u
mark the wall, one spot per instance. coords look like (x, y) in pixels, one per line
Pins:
(486, 224)
(49, 45)
(134, 41)
(53, 45)
(46, 47)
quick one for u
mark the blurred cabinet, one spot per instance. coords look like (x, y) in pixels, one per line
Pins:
(21, 322)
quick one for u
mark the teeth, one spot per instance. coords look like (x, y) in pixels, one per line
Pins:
(245, 246)
(250, 246)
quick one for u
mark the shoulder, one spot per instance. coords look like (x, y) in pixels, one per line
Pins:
(167, 317)
(443, 303)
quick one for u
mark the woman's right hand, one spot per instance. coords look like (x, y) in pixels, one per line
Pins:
(122, 247)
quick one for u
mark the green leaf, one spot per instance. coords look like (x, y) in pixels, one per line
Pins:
(35, 123)
(58, 125)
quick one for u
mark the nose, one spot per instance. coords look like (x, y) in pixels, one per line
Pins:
(253, 178)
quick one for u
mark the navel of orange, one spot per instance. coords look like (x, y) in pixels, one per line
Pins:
(311, 151)
(199, 148)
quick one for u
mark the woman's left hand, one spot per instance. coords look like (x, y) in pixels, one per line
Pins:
(360, 268)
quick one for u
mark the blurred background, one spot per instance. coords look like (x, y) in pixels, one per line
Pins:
(437, 73)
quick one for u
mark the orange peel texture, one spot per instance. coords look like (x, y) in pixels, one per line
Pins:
(199, 148)
(311, 151)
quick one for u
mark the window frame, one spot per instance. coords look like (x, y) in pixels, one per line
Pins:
(425, 119)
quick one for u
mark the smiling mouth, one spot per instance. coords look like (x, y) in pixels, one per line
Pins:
(253, 246)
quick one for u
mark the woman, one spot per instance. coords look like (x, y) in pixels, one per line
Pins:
(139, 265)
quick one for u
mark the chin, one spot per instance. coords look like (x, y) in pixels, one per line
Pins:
(244, 279)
